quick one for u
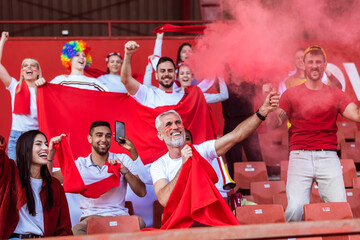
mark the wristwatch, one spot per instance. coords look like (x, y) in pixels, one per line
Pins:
(261, 117)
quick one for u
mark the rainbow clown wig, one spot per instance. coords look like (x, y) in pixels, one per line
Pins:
(69, 51)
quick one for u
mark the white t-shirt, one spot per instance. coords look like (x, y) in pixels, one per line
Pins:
(167, 168)
(155, 97)
(29, 224)
(22, 122)
(79, 81)
(113, 83)
(111, 203)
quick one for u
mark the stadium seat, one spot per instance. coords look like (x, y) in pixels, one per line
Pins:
(255, 214)
(353, 198)
(283, 170)
(280, 198)
(158, 210)
(247, 172)
(350, 150)
(327, 211)
(356, 182)
(346, 131)
(263, 191)
(315, 195)
(349, 171)
(113, 224)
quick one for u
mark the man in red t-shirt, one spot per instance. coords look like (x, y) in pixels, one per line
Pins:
(312, 109)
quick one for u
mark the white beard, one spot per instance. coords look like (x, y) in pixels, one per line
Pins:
(179, 142)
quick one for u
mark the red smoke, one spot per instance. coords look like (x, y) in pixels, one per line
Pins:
(260, 40)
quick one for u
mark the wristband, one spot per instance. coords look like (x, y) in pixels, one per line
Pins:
(127, 170)
(261, 117)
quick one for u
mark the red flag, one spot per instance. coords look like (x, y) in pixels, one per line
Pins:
(73, 181)
(11, 191)
(63, 109)
(195, 198)
(22, 99)
(183, 29)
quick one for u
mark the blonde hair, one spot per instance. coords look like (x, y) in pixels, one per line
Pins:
(21, 73)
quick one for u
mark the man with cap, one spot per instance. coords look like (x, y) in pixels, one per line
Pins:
(312, 109)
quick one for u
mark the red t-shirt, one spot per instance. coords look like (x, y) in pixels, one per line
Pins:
(312, 114)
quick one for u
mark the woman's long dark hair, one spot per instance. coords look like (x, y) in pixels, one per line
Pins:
(178, 59)
(24, 151)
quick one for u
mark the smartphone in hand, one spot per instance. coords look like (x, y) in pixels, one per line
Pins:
(119, 131)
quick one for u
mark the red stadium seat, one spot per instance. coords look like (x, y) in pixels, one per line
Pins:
(283, 170)
(280, 198)
(353, 198)
(346, 131)
(263, 191)
(350, 150)
(327, 211)
(349, 171)
(113, 224)
(247, 172)
(356, 182)
(255, 214)
(315, 196)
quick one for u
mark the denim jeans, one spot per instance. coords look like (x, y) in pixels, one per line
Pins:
(305, 167)
(14, 136)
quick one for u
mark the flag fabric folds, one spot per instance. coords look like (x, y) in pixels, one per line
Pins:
(183, 29)
(63, 109)
(195, 198)
(73, 182)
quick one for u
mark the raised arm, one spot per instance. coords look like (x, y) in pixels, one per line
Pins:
(4, 75)
(163, 187)
(157, 50)
(218, 97)
(248, 126)
(148, 73)
(51, 156)
(132, 86)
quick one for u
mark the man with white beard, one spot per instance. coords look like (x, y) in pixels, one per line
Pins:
(150, 97)
(166, 170)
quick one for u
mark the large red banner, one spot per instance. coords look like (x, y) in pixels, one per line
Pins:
(63, 109)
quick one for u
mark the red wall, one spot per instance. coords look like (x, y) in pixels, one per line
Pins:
(47, 52)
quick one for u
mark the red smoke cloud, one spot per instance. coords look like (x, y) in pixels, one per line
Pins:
(260, 39)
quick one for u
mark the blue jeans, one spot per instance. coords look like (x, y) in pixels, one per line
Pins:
(14, 136)
(305, 167)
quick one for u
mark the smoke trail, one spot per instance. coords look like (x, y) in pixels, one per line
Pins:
(260, 39)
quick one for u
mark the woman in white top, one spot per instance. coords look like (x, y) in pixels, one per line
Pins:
(22, 120)
(185, 77)
(36, 205)
(112, 79)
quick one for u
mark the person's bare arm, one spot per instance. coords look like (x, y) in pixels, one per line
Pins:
(51, 156)
(4, 75)
(352, 112)
(163, 187)
(132, 86)
(248, 126)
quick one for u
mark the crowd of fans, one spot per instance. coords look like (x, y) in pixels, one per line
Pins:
(39, 207)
